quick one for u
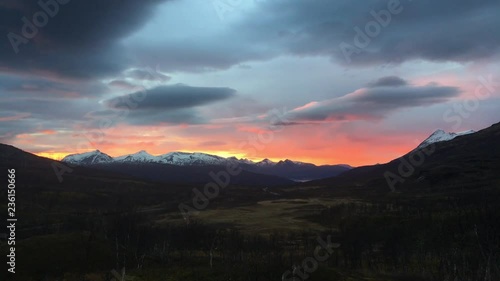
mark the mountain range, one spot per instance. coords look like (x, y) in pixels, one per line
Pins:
(141, 161)
(196, 168)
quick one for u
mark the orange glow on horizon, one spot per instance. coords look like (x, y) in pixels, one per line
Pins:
(322, 144)
(357, 159)
(53, 155)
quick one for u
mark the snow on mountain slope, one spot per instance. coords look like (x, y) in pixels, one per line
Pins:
(265, 162)
(290, 162)
(441, 135)
(191, 159)
(173, 158)
(88, 158)
(141, 156)
(242, 161)
(284, 169)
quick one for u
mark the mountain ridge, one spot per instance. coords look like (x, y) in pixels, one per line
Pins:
(449, 165)
(441, 135)
(289, 169)
(199, 158)
(181, 158)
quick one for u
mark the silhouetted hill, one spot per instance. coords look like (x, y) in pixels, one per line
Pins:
(192, 174)
(40, 169)
(469, 161)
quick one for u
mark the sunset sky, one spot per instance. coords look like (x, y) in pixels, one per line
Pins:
(323, 81)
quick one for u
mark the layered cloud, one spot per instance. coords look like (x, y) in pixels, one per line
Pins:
(382, 97)
(389, 81)
(172, 104)
(148, 75)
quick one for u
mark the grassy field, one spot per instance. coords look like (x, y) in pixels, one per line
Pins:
(265, 217)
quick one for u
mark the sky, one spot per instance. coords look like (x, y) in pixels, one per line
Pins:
(321, 81)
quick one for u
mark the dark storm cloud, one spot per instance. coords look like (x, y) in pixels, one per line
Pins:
(122, 84)
(448, 30)
(83, 38)
(388, 82)
(174, 104)
(148, 75)
(372, 103)
(433, 30)
(173, 97)
(80, 39)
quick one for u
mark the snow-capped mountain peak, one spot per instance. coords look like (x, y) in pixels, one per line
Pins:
(266, 162)
(191, 159)
(92, 157)
(141, 156)
(285, 168)
(441, 135)
(244, 161)
(291, 162)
